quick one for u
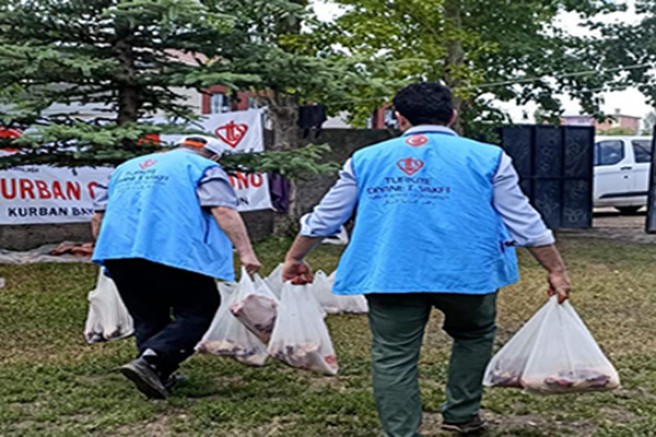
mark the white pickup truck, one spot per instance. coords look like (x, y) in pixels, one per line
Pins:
(621, 172)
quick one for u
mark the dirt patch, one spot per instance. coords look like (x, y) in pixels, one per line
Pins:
(614, 226)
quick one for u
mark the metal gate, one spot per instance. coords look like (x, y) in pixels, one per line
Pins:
(555, 165)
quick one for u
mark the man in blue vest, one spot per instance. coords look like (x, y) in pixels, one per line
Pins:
(437, 220)
(167, 225)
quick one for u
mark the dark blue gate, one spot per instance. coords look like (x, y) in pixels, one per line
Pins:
(555, 165)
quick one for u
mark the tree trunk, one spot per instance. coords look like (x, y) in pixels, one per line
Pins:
(129, 102)
(455, 54)
(284, 116)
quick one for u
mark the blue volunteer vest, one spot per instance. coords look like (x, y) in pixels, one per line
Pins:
(154, 213)
(425, 219)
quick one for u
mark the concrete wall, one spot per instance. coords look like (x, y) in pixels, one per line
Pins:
(260, 223)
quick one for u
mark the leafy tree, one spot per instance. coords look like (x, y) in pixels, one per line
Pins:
(633, 48)
(649, 122)
(485, 49)
(110, 66)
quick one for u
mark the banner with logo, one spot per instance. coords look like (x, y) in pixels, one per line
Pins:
(240, 132)
(43, 194)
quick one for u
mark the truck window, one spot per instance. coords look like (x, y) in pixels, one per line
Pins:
(642, 150)
(609, 152)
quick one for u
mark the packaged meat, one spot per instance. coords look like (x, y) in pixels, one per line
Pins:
(300, 337)
(553, 353)
(580, 380)
(228, 337)
(107, 318)
(255, 306)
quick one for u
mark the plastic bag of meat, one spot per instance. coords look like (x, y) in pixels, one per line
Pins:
(228, 337)
(553, 353)
(300, 337)
(255, 306)
(108, 318)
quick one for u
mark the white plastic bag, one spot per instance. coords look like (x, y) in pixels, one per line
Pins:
(333, 304)
(353, 304)
(255, 306)
(356, 304)
(274, 281)
(227, 336)
(300, 337)
(108, 318)
(553, 353)
(321, 288)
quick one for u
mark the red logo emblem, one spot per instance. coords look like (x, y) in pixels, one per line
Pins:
(147, 163)
(416, 140)
(410, 166)
(9, 134)
(231, 133)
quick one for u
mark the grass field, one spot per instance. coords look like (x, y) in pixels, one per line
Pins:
(52, 383)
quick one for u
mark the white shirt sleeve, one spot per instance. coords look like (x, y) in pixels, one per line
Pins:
(524, 223)
(101, 196)
(335, 208)
(214, 189)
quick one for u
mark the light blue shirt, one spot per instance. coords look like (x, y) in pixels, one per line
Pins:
(524, 223)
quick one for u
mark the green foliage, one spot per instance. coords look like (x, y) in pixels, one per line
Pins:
(633, 47)
(292, 164)
(64, 62)
(617, 131)
(649, 122)
(502, 41)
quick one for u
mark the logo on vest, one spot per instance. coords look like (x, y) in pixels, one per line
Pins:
(147, 164)
(231, 133)
(416, 140)
(410, 166)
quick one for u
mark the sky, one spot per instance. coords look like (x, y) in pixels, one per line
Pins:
(628, 102)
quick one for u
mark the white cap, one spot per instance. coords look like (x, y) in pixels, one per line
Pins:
(203, 141)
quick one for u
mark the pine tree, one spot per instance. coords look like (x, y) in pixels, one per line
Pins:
(125, 62)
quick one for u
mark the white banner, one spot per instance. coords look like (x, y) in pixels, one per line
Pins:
(43, 194)
(240, 131)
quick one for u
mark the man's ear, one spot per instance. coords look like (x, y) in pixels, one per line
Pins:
(454, 117)
(404, 123)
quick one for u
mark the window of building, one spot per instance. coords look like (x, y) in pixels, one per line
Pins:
(219, 103)
(253, 103)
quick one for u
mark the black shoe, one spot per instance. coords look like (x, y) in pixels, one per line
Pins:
(172, 380)
(476, 425)
(145, 377)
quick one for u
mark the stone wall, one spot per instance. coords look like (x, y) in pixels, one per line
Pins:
(260, 223)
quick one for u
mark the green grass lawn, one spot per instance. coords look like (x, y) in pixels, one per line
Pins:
(52, 383)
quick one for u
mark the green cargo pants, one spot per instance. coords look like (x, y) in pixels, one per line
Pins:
(397, 323)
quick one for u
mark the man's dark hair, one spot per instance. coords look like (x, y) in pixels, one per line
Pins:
(425, 103)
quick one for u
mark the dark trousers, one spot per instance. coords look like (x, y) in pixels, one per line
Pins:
(397, 324)
(171, 308)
